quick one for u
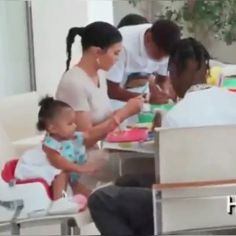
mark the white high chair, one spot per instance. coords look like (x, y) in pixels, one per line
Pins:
(25, 203)
(196, 172)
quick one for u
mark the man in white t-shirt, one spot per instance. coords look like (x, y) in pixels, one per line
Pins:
(201, 104)
(145, 50)
(205, 106)
(128, 210)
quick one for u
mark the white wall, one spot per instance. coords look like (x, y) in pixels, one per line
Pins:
(122, 8)
(218, 49)
(100, 10)
(51, 22)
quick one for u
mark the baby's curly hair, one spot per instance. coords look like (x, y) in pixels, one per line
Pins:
(49, 108)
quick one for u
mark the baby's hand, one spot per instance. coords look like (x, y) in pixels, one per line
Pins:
(88, 168)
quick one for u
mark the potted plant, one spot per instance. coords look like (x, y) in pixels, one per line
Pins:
(214, 17)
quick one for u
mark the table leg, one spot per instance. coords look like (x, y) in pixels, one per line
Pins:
(120, 167)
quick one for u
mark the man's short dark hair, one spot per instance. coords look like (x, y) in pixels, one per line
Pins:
(165, 34)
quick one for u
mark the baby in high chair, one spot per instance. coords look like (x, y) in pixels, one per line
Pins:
(64, 151)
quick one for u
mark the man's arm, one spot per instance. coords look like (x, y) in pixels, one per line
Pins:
(114, 78)
(163, 79)
(135, 80)
(116, 92)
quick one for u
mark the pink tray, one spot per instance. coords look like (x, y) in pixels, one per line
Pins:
(132, 135)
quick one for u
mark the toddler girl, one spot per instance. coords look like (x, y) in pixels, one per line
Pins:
(63, 159)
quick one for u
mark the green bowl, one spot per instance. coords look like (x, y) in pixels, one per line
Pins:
(230, 82)
(164, 107)
(145, 117)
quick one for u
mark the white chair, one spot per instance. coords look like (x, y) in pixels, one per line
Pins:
(18, 116)
(23, 145)
(26, 203)
(6, 148)
(196, 172)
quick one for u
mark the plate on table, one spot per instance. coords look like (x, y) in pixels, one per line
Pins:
(129, 135)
